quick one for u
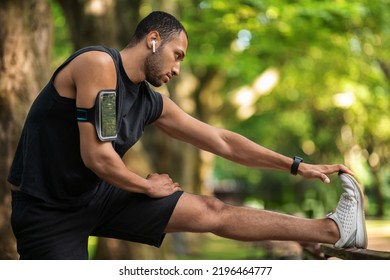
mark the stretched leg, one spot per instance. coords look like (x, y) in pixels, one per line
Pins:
(194, 213)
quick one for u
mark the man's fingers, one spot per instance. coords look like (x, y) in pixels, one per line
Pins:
(325, 179)
(344, 169)
(175, 185)
(172, 188)
(151, 174)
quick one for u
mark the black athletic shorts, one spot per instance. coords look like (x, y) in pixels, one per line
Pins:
(44, 231)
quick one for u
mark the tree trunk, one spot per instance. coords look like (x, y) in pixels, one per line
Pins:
(90, 22)
(127, 17)
(25, 44)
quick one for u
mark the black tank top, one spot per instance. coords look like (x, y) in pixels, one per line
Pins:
(47, 162)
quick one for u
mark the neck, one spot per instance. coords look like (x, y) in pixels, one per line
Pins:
(133, 62)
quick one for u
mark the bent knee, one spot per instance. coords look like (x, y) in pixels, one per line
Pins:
(213, 204)
(211, 211)
(195, 213)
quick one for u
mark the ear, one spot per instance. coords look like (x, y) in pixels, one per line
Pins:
(153, 40)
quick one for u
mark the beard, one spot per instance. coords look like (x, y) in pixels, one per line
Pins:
(153, 68)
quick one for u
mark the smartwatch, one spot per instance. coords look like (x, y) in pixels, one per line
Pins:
(295, 165)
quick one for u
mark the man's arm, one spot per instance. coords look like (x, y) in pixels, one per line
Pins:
(232, 146)
(90, 73)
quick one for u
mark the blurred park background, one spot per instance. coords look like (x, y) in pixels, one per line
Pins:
(308, 78)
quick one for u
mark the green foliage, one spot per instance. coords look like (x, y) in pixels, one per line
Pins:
(62, 46)
(331, 101)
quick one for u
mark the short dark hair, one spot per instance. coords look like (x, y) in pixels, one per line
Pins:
(165, 24)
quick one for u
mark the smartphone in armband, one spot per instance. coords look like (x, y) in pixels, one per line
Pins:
(102, 115)
(106, 124)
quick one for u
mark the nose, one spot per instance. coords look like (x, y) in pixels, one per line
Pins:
(176, 69)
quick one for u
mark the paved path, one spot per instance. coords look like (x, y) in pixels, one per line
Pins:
(378, 232)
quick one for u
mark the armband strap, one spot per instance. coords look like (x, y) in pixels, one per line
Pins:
(86, 115)
(102, 115)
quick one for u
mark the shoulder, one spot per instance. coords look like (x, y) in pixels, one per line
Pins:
(95, 67)
(85, 73)
(93, 59)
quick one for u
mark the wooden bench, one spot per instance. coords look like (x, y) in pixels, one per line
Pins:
(353, 253)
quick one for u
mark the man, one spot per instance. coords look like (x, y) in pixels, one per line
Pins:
(68, 183)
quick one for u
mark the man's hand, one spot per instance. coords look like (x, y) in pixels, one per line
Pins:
(311, 171)
(161, 185)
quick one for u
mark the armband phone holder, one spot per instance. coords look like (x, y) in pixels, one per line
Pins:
(102, 115)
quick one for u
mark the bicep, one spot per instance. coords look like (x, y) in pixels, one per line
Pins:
(93, 151)
(92, 72)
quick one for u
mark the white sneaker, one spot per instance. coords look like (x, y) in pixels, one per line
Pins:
(349, 215)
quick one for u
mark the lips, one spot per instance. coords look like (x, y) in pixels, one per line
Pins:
(169, 77)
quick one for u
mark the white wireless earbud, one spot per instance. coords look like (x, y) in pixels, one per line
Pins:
(153, 46)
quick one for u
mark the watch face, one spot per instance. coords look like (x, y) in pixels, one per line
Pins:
(296, 158)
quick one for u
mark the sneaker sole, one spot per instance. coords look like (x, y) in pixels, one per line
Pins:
(361, 232)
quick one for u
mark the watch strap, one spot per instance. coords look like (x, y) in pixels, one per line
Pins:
(295, 165)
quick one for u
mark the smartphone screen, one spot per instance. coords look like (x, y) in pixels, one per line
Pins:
(107, 106)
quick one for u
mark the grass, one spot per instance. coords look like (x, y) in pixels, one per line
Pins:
(212, 247)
